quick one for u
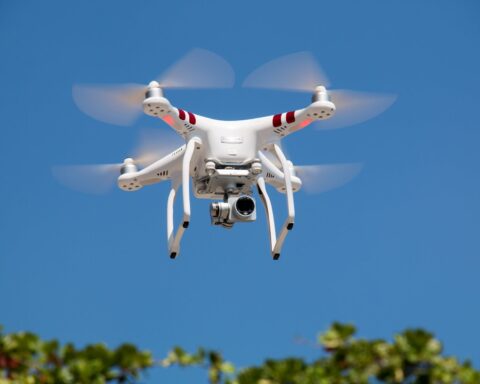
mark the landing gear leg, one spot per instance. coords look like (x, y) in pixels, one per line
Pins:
(174, 240)
(277, 243)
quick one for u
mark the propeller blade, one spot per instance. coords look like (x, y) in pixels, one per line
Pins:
(355, 107)
(155, 144)
(325, 177)
(92, 178)
(198, 69)
(100, 178)
(122, 104)
(301, 72)
(296, 72)
(119, 105)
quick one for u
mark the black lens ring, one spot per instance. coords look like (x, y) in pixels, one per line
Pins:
(245, 205)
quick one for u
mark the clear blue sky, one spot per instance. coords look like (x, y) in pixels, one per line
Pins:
(397, 247)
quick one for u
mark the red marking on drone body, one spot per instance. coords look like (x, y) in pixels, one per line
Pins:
(191, 118)
(277, 120)
(290, 117)
(181, 114)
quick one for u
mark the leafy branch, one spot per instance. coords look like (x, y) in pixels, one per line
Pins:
(413, 357)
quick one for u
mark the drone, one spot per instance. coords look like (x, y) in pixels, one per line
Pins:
(227, 161)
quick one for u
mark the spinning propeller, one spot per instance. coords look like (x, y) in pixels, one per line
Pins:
(122, 104)
(300, 72)
(100, 178)
(325, 177)
(320, 178)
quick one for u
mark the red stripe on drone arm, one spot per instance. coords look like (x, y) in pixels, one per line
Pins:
(191, 118)
(181, 114)
(277, 120)
(290, 117)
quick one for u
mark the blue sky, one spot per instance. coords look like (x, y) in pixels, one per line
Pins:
(397, 247)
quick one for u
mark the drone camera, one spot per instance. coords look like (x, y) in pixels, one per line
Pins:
(244, 206)
(234, 209)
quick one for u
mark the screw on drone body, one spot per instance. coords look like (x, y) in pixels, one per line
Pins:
(210, 167)
(256, 168)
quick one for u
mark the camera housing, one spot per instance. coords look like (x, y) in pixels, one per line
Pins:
(234, 209)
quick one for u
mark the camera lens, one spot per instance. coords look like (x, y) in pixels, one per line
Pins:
(245, 205)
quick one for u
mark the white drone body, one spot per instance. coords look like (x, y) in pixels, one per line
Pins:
(226, 160)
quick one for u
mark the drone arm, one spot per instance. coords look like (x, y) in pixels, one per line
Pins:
(284, 124)
(275, 176)
(156, 172)
(183, 122)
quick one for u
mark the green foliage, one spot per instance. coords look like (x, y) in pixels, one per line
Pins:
(413, 357)
(26, 359)
(217, 367)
